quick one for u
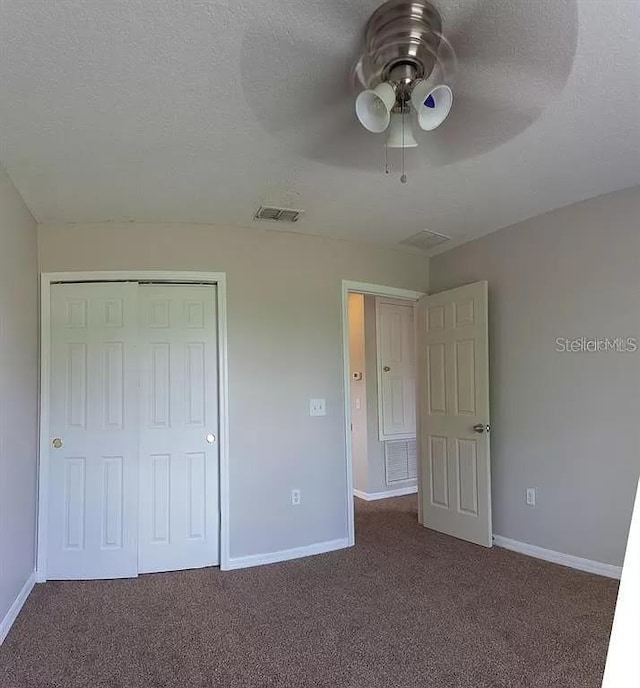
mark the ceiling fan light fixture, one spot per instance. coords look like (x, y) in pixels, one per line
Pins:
(373, 107)
(431, 103)
(400, 132)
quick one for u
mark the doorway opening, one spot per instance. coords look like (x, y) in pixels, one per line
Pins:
(379, 355)
(452, 410)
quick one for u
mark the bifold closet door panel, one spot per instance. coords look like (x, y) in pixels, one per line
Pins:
(93, 445)
(179, 503)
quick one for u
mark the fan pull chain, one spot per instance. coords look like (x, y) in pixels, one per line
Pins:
(403, 178)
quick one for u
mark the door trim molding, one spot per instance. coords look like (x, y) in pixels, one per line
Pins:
(47, 279)
(588, 565)
(368, 290)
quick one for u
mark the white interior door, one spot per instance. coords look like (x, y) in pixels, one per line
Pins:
(93, 459)
(179, 510)
(453, 413)
(396, 369)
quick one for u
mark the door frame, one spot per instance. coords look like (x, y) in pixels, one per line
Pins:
(368, 290)
(47, 279)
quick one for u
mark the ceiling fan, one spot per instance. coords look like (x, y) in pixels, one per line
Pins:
(457, 78)
(403, 65)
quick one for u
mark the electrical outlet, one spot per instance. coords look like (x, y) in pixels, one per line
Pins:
(317, 407)
(531, 496)
(296, 497)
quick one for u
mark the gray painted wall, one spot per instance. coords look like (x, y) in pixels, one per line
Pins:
(18, 392)
(285, 347)
(567, 424)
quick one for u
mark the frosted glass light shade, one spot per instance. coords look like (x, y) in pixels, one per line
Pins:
(396, 138)
(432, 104)
(373, 107)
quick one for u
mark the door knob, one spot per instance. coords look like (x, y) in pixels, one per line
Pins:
(480, 428)
(211, 438)
(386, 369)
(56, 443)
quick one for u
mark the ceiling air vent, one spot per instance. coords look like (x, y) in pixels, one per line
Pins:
(273, 214)
(425, 240)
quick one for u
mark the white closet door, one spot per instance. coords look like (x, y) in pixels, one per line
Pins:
(93, 466)
(396, 370)
(179, 510)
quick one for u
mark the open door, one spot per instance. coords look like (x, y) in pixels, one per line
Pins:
(453, 413)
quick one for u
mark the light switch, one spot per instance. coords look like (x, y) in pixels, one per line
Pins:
(317, 407)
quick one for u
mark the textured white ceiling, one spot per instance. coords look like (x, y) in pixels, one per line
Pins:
(199, 111)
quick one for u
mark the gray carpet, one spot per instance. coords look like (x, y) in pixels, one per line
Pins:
(405, 608)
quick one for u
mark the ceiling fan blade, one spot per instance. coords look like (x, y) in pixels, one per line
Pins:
(514, 57)
(285, 90)
(475, 126)
(293, 75)
(343, 143)
(534, 38)
(338, 140)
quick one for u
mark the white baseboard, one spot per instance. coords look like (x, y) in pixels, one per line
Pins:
(569, 560)
(14, 610)
(286, 554)
(398, 492)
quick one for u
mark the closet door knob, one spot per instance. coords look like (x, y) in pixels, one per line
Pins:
(386, 369)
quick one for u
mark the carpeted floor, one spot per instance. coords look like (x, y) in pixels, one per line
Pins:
(405, 608)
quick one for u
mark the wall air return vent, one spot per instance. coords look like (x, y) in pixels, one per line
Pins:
(400, 457)
(425, 240)
(273, 214)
